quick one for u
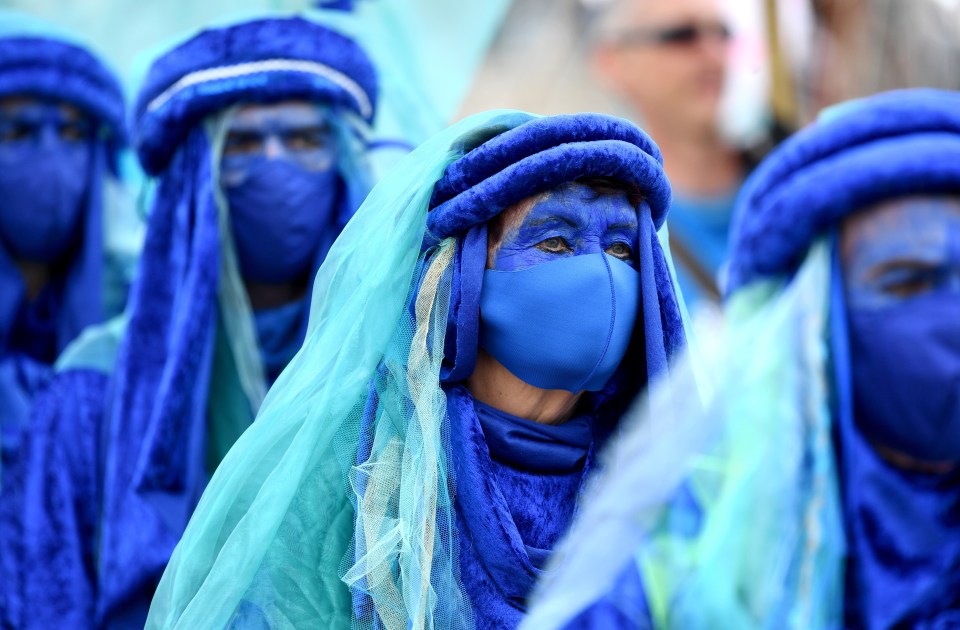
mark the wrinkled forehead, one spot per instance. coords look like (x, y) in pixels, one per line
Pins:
(574, 203)
(29, 103)
(906, 224)
(293, 114)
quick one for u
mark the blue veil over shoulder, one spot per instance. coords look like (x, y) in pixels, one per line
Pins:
(187, 377)
(346, 502)
(772, 510)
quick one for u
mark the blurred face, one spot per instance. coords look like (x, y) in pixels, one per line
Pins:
(900, 251)
(45, 149)
(279, 174)
(667, 58)
(296, 131)
(901, 268)
(568, 221)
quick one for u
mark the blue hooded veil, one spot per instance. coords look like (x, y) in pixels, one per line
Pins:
(145, 429)
(774, 510)
(36, 61)
(364, 495)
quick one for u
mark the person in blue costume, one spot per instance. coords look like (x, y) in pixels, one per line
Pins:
(61, 134)
(256, 135)
(477, 331)
(823, 472)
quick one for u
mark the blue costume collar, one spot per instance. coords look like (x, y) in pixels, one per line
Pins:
(532, 446)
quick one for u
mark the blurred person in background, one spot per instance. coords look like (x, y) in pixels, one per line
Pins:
(61, 135)
(820, 486)
(667, 59)
(256, 135)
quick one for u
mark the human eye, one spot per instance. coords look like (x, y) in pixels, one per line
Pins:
(73, 131)
(307, 139)
(620, 250)
(554, 245)
(907, 281)
(15, 131)
(242, 142)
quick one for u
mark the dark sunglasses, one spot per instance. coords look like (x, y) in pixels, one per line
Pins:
(682, 35)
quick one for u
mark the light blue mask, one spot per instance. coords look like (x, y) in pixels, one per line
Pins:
(564, 324)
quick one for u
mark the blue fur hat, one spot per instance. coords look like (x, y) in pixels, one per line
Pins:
(858, 154)
(265, 60)
(52, 68)
(512, 163)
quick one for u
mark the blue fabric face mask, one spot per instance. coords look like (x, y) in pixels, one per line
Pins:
(280, 180)
(904, 327)
(564, 324)
(44, 165)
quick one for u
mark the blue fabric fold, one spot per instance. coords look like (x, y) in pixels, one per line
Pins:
(532, 446)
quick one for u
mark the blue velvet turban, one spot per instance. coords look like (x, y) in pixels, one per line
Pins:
(857, 155)
(162, 390)
(258, 61)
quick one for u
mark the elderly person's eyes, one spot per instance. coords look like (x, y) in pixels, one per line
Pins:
(554, 245)
(620, 250)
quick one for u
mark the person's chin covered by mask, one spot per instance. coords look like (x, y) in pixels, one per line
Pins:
(279, 175)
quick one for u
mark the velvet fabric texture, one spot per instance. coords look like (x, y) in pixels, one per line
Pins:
(258, 61)
(861, 153)
(540, 155)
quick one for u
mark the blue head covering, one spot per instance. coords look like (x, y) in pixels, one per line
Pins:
(380, 514)
(178, 394)
(901, 569)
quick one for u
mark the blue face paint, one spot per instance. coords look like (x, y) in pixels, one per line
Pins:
(570, 221)
(279, 176)
(902, 277)
(559, 307)
(44, 166)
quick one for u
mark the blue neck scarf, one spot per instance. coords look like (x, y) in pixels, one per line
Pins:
(903, 567)
(702, 226)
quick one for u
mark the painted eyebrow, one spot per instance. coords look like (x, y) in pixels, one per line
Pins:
(632, 225)
(552, 219)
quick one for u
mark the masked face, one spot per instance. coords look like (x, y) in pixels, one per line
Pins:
(44, 166)
(560, 297)
(901, 265)
(280, 179)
